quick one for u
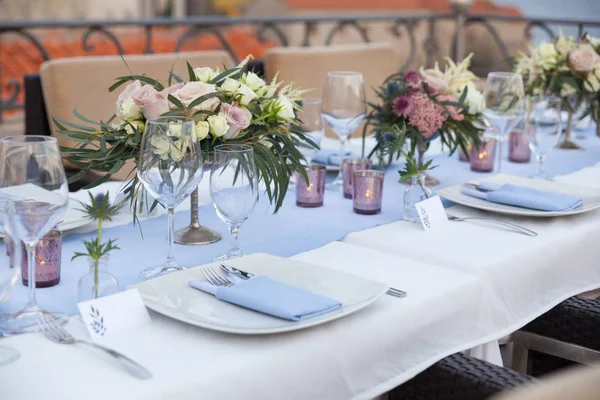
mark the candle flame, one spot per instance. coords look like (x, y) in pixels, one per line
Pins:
(483, 155)
(42, 262)
(368, 193)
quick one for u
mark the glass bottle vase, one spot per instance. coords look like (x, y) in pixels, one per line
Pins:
(97, 282)
(415, 193)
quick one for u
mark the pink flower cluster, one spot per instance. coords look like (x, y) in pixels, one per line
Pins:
(420, 110)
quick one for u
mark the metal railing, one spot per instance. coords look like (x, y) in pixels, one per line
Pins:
(402, 26)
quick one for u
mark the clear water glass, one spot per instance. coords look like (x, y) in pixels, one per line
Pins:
(10, 269)
(233, 190)
(344, 108)
(543, 128)
(169, 168)
(505, 105)
(33, 177)
(311, 126)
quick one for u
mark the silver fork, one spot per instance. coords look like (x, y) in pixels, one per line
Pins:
(214, 278)
(518, 228)
(58, 334)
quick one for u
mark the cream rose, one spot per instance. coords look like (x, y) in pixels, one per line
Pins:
(475, 101)
(161, 146)
(129, 111)
(286, 108)
(218, 125)
(128, 92)
(583, 59)
(204, 74)
(139, 125)
(238, 119)
(230, 85)
(253, 81)
(193, 90)
(178, 150)
(202, 129)
(245, 95)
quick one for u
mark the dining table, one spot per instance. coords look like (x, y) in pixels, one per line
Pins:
(468, 284)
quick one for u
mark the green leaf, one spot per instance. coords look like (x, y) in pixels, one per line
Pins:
(191, 72)
(176, 102)
(225, 74)
(202, 99)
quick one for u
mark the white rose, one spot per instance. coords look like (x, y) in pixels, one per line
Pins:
(247, 95)
(202, 129)
(253, 81)
(174, 130)
(592, 84)
(129, 111)
(178, 150)
(267, 91)
(204, 74)
(161, 146)
(547, 51)
(218, 125)
(475, 100)
(139, 125)
(230, 85)
(285, 108)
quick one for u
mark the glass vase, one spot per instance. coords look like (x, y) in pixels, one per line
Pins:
(415, 193)
(97, 282)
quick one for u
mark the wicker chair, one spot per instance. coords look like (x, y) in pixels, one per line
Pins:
(569, 331)
(459, 377)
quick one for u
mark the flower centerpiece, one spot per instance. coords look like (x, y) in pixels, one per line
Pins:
(565, 68)
(419, 106)
(230, 106)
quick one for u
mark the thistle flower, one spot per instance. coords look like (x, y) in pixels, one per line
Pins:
(100, 207)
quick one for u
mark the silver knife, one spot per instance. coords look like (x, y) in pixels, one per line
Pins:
(237, 272)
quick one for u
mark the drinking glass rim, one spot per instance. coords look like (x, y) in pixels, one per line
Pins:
(355, 160)
(174, 118)
(368, 172)
(23, 139)
(312, 100)
(344, 73)
(233, 148)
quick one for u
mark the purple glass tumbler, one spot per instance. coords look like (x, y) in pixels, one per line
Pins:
(368, 191)
(349, 165)
(48, 258)
(482, 157)
(519, 150)
(311, 195)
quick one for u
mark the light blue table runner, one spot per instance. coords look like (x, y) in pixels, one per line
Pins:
(293, 230)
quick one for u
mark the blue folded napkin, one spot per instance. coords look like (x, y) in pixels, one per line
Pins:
(520, 196)
(271, 297)
(330, 157)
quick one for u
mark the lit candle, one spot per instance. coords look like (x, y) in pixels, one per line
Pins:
(349, 165)
(368, 191)
(47, 258)
(482, 157)
(311, 195)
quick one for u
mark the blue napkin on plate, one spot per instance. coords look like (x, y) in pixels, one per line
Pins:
(272, 297)
(520, 196)
(330, 157)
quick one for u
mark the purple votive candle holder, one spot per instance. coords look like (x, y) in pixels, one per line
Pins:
(368, 191)
(311, 195)
(47, 261)
(482, 157)
(349, 165)
(519, 150)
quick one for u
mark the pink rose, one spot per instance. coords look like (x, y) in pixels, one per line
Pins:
(129, 92)
(193, 90)
(237, 117)
(583, 59)
(152, 104)
(171, 89)
(435, 81)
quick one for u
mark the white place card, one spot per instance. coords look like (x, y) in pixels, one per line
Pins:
(115, 313)
(431, 212)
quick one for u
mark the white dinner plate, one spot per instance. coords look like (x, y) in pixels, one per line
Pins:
(170, 295)
(590, 196)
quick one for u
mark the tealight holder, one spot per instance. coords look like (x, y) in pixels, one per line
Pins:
(368, 191)
(47, 260)
(482, 157)
(349, 165)
(519, 150)
(311, 195)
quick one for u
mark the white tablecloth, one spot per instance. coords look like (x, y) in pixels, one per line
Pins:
(360, 356)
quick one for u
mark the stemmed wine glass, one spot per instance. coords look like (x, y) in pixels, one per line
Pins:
(33, 177)
(170, 168)
(344, 108)
(311, 126)
(543, 126)
(10, 271)
(233, 189)
(505, 106)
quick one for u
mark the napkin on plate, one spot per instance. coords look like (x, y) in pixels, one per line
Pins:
(520, 196)
(271, 297)
(330, 157)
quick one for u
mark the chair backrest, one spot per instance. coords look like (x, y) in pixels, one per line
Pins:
(307, 67)
(82, 82)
